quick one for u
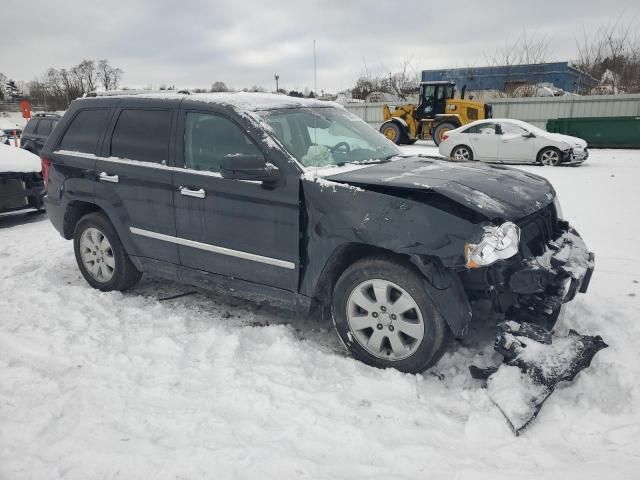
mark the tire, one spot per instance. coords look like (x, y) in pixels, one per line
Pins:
(550, 156)
(417, 325)
(440, 130)
(114, 270)
(393, 132)
(411, 141)
(462, 153)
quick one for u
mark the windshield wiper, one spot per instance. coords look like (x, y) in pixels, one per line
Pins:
(369, 162)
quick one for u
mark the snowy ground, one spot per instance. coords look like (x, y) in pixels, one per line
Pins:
(108, 385)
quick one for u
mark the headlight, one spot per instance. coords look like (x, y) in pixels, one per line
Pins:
(498, 243)
(556, 204)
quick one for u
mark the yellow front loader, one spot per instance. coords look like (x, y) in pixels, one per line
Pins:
(437, 113)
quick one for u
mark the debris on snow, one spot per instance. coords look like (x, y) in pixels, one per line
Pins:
(534, 363)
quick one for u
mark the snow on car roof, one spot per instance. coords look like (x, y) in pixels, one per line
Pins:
(241, 101)
(494, 120)
(13, 159)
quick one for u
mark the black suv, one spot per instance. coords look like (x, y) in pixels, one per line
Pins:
(302, 203)
(37, 131)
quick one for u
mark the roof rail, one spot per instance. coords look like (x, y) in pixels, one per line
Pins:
(113, 93)
(46, 114)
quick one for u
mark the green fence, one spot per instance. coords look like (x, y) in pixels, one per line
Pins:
(602, 132)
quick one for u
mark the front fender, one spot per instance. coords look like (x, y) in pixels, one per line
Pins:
(337, 215)
(447, 292)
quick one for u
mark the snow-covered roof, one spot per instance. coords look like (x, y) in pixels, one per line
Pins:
(241, 101)
(13, 159)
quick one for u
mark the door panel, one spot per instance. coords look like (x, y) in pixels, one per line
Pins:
(138, 186)
(139, 198)
(485, 141)
(240, 229)
(513, 146)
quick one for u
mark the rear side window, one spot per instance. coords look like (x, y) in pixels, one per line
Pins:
(142, 135)
(31, 126)
(84, 131)
(44, 126)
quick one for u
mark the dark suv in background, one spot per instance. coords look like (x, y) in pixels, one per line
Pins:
(304, 204)
(37, 130)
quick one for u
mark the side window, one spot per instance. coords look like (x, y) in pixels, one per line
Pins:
(31, 126)
(511, 129)
(483, 128)
(142, 135)
(44, 127)
(84, 131)
(208, 139)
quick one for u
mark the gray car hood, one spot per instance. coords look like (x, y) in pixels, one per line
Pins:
(494, 191)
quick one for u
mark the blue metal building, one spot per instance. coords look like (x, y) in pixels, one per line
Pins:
(506, 78)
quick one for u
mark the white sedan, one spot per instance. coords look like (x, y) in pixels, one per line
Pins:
(512, 141)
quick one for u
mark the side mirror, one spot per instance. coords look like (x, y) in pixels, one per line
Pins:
(528, 135)
(248, 167)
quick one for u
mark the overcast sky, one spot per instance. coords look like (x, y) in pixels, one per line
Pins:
(244, 43)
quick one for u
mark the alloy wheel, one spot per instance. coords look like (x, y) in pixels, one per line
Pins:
(550, 158)
(385, 319)
(461, 154)
(97, 255)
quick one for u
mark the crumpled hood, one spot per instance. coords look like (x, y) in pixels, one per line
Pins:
(491, 190)
(574, 142)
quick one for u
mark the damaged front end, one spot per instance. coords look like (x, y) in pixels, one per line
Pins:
(553, 263)
(574, 156)
(528, 289)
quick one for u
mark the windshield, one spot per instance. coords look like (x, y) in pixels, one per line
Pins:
(328, 136)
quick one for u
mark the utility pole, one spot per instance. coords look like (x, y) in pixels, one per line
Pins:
(277, 77)
(315, 76)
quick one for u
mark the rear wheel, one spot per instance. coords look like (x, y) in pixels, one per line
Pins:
(100, 255)
(384, 316)
(462, 153)
(441, 130)
(392, 131)
(549, 156)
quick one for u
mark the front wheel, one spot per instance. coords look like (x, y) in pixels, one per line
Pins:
(100, 255)
(550, 157)
(384, 316)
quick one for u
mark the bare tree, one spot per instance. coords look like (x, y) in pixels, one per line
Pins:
(3, 80)
(219, 87)
(108, 76)
(611, 53)
(87, 72)
(527, 49)
(405, 82)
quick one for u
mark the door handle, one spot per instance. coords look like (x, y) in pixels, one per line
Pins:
(190, 192)
(105, 177)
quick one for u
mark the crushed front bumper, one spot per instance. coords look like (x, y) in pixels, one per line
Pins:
(545, 282)
(575, 156)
